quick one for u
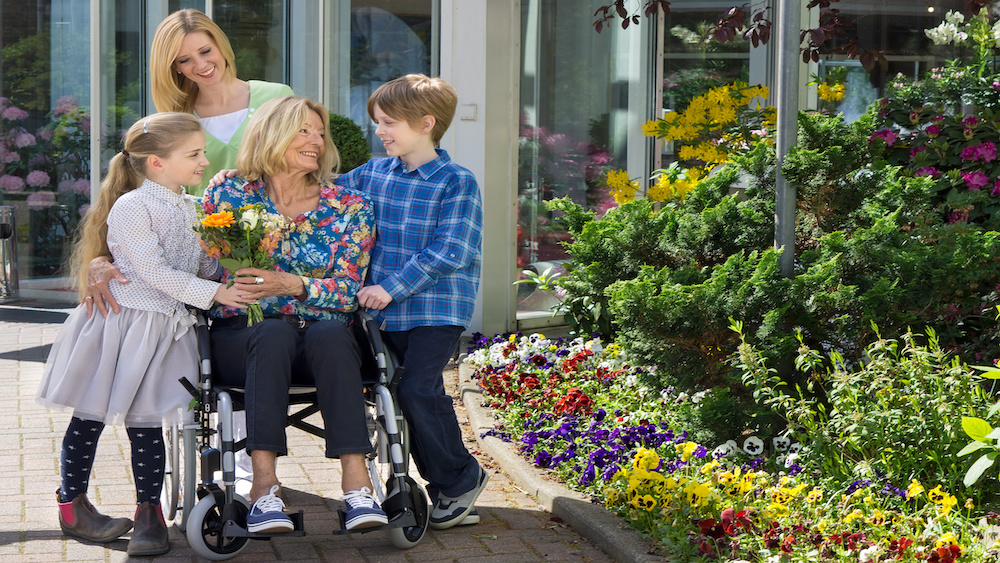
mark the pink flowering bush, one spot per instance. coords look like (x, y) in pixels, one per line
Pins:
(957, 151)
(55, 158)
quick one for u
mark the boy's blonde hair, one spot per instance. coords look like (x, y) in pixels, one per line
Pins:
(172, 91)
(156, 135)
(409, 98)
(273, 127)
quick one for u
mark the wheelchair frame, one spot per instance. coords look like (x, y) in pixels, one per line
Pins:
(220, 533)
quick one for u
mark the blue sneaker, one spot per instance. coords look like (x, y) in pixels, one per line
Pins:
(267, 515)
(450, 511)
(363, 510)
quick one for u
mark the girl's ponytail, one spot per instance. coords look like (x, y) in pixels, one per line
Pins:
(157, 135)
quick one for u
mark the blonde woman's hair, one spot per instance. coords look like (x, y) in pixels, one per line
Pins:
(172, 91)
(272, 129)
(159, 135)
(409, 98)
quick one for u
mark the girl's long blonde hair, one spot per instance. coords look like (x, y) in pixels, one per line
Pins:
(172, 91)
(159, 135)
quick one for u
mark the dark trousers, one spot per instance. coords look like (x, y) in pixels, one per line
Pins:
(436, 439)
(268, 357)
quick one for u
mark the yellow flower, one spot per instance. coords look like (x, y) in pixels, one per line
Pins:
(644, 502)
(946, 504)
(220, 219)
(969, 505)
(829, 93)
(815, 495)
(914, 489)
(651, 127)
(854, 515)
(936, 495)
(877, 518)
(646, 459)
(686, 450)
(697, 493)
(946, 540)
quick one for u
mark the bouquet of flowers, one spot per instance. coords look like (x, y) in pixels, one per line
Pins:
(248, 241)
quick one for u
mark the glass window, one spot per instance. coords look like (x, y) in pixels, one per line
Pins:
(257, 31)
(387, 40)
(577, 111)
(45, 129)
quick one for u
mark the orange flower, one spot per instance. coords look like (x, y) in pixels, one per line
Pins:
(220, 219)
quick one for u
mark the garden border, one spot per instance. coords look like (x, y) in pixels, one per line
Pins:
(596, 523)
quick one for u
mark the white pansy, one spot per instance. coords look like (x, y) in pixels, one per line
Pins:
(753, 445)
(721, 451)
(794, 448)
(780, 443)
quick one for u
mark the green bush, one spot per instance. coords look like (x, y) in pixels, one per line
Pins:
(871, 247)
(350, 141)
(896, 417)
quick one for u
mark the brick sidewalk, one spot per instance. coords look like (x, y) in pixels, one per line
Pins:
(514, 527)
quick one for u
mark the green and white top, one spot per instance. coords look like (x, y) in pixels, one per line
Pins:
(221, 155)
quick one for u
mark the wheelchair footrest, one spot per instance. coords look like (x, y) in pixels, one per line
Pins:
(235, 530)
(403, 519)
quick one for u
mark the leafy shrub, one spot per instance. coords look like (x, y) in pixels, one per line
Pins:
(896, 416)
(350, 141)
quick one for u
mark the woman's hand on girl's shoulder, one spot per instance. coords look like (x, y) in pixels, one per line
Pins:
(221, 177)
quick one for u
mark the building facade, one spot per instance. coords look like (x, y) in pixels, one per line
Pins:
(546, 104)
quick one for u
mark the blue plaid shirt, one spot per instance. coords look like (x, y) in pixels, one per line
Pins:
(428, 242)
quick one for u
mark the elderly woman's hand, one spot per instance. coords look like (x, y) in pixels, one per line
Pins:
(255, 283)
(99, 275)
(221, 177)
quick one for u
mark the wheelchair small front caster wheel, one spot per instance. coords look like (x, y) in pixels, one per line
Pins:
(204, 530)
(409, 536)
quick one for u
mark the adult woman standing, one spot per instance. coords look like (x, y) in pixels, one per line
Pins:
(286, 164)
(193, 69)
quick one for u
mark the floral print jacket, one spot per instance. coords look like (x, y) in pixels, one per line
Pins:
(329, 247)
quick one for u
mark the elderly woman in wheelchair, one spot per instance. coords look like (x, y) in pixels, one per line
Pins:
(285, 164)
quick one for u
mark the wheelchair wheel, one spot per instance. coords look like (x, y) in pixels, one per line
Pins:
(172, 477)
(204, 530)
(380, 472)
(409, 536)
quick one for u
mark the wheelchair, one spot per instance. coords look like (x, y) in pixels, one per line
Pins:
(214, 517)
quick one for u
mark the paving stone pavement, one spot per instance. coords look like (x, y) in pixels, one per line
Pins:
(514, 527)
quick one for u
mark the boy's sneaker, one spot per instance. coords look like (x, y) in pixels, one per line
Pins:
(267, 515)
(363, 510)
(472, 518)
(449, 511)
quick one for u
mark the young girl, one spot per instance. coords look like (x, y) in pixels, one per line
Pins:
(124, 368)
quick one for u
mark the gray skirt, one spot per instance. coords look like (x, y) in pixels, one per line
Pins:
(123, 368)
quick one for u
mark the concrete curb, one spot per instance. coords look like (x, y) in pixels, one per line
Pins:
(593, 521)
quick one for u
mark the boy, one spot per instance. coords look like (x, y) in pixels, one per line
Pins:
(424, 275)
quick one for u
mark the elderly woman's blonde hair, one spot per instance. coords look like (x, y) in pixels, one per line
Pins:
(272, 129)
(172, 91)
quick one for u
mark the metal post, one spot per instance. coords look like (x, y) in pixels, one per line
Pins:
(787, 103)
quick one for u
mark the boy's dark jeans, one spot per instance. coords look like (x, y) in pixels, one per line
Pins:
(437, 445)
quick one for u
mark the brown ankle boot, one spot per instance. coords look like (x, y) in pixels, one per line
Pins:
(150, 534)
(80, 519)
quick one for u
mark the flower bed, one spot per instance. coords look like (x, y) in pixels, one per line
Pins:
(577, 409)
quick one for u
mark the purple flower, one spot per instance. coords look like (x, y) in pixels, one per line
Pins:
(24, 139)
(14, 113)
(39, 200)
(65, 104)
(975, 180)
(887, 135)
(987, 152)
(934, 131)
(6, 156)
(82, 186)
(10, 183)
(996, 188)
(37, 179)
(928, 171)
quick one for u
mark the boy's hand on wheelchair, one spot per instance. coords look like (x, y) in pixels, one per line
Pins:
(374, 297)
